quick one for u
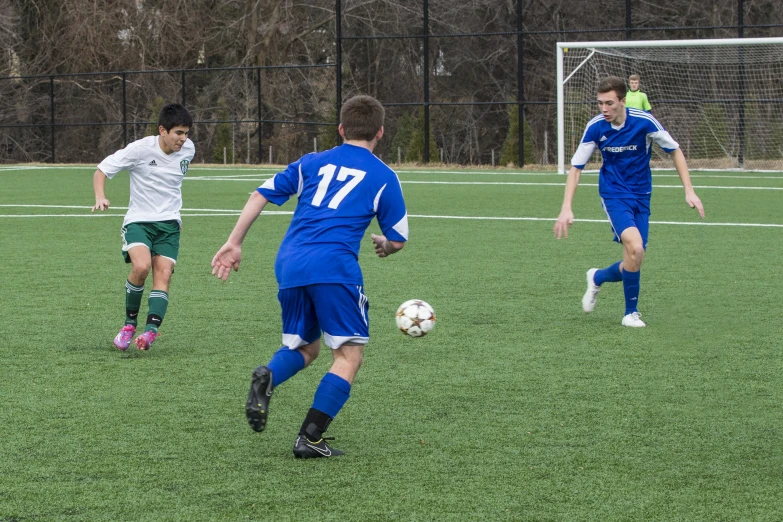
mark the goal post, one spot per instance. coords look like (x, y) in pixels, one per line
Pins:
(721, 99)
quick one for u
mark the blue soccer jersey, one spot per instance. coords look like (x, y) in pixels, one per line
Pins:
(626, 151)
(339, 191)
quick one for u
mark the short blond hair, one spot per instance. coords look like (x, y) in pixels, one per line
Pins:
(634, 77)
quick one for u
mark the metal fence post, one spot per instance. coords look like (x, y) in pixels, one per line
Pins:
(426, 81)
(51, 110)
(258, 116)
(124, 113)
(520, 88)
(741, 112)
(338, 62)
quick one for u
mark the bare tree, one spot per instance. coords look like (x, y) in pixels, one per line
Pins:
(49, 46)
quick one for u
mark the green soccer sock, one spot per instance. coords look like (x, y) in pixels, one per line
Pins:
(158, 302)
(133, 295)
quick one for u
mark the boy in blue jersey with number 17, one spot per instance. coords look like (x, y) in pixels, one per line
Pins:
(625, 137)
(320, 286)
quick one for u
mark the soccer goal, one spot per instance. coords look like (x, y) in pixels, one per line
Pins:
(721, 99)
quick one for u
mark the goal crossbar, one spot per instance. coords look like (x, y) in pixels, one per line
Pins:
(563, 77)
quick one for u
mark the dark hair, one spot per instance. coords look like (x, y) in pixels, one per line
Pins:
(362, 118)
(174, 115)
(613, 83)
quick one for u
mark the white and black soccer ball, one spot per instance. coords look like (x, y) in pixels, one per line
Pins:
(415, 318)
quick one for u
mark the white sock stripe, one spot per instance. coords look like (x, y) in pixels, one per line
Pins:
(159, 294)
(133, 288)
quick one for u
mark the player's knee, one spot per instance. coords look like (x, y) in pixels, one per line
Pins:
(310, 351)
(357, 360)
(637, 252)
(353, 354)
(141, 270)
(165, 273)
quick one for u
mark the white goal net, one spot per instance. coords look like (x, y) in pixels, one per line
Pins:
(721, 100)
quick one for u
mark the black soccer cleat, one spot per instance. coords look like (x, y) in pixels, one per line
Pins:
(257, 406)
(306, 449)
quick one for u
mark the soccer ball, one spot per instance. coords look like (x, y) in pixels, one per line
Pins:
(415, 318)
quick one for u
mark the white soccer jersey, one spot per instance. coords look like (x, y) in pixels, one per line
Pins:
(155, 178)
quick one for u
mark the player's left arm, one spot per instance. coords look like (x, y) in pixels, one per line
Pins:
(681, 165)
(392, 217)
(384, 247)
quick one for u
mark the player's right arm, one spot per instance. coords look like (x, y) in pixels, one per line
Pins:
(123, 159)
(99, 186)
(578, 161)
(566, 217)
(230, 254)
(277, 190)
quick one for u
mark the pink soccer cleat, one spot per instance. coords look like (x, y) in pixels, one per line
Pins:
(145, 340)
(123, 339)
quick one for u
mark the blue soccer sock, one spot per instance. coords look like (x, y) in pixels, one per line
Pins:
(610, 274)
(631, 289)
(285, 363)
(332, 394)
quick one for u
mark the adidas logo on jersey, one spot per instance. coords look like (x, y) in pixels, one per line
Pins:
(603, 138)
(153, 164)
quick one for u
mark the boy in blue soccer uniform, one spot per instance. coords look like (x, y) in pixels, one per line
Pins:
(625, 138)
(319, 279)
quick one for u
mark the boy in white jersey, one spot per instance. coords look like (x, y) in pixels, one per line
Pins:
(151, 228)
(625, 137)
(319, 279)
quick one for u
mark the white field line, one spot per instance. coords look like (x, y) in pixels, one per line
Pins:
(581, 184)
(694, 174)
(249, 177)
(255, 171)
(106, 215)
(519, 183)
(202, 212)
(253, 177)
(11, 168)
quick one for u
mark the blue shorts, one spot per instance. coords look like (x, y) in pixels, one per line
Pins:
(626, 213)
(340, 311)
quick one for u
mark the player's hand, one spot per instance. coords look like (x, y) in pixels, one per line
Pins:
(693, 201)
(380, 243)
(101, 204)
(228, 257)
(564, 220)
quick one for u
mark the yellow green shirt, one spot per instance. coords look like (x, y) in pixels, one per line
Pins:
(637, 100)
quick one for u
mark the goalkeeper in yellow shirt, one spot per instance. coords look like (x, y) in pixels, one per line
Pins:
(636, 99)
